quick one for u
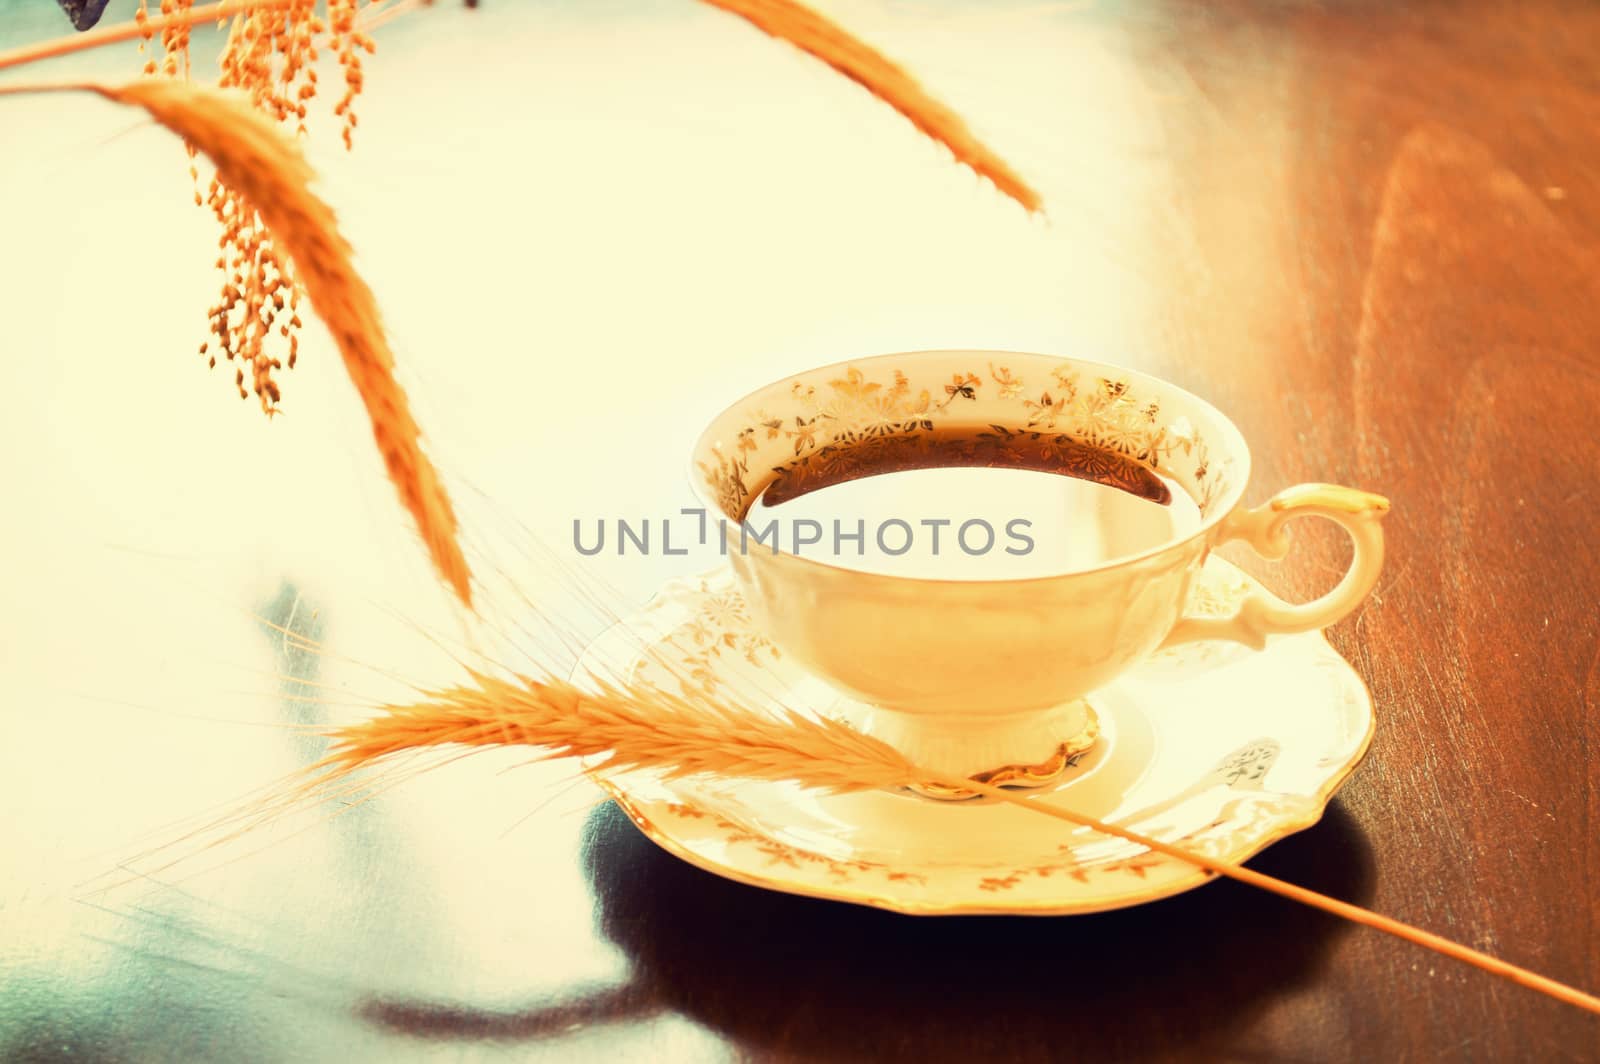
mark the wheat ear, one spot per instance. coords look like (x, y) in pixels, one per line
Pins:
(817, 36)
(267, 168)
(661, 731)
(651, 729)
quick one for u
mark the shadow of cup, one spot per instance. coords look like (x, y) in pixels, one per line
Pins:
(817, 979)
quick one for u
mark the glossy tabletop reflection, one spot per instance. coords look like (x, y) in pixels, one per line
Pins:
(1368, 232)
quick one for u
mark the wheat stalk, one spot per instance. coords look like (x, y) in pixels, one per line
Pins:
(1354, 913)
(817, 36)
(619, 729)
(664, 732)
(268, 170)
(677, 737)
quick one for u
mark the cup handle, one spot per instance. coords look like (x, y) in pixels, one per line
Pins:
(1359, 513)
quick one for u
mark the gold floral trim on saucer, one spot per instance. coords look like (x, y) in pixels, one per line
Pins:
(1222, 755)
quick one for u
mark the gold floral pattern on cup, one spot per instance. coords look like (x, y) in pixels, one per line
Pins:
(854, 419)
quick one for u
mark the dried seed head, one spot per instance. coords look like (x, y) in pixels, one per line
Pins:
(269, 54)
(272, 178)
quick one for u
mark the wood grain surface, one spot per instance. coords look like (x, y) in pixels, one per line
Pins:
(1376, 245)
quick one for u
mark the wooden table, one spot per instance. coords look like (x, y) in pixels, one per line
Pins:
(1370, 232)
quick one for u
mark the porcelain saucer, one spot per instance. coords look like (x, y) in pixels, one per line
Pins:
(1211, 746)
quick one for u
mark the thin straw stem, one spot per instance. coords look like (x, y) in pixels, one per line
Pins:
(679, 737)
(127, 31)
(1354, 913)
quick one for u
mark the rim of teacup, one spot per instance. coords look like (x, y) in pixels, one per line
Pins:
(1225, 505)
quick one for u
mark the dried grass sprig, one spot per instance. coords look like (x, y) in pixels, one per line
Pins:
(819, 37)
(650, 729)
(269, 171)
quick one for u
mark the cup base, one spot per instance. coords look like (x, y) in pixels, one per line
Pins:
(1023, 750)
(1048, 771)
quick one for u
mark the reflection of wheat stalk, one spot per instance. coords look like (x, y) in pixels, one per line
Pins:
(268, 170)
(647, 729)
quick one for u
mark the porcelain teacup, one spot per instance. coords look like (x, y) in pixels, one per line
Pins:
(988, 678)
